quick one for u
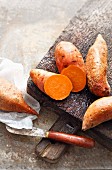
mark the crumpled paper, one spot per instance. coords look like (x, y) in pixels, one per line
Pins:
(14, 72)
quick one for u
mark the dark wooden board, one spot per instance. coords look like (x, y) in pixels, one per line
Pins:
(94, 18)
(51, 150)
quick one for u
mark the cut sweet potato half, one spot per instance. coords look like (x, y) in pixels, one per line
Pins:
(66, 54)
(56, 86)
(77, 76)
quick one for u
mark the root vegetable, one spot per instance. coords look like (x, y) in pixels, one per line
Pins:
(96, 67)
(56, 86)
(39, 76)
(69, 62)
(11, 99)
(77, 77)
(98, 112)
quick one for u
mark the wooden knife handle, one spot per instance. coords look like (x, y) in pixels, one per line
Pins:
(71, 139)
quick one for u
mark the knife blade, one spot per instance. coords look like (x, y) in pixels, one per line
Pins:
(58, 136)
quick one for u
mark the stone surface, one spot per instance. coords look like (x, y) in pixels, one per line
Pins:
(27, 29)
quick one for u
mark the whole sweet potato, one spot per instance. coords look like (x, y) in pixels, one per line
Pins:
(11, 99)
(96, 67)
(98, 112)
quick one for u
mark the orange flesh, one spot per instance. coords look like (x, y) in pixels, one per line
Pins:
(58, 87)
(77, 77)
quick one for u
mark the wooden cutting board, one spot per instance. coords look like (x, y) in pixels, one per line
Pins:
(95, 17)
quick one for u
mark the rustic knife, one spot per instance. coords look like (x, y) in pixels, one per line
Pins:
(59, 136)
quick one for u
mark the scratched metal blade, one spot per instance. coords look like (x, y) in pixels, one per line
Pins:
(27, 132)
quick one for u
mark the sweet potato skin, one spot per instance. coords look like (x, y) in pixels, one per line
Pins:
(11, 99)
(98, 112)
(67, 54)
(96, 68)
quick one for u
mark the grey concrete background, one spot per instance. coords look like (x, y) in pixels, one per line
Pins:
(27, 30)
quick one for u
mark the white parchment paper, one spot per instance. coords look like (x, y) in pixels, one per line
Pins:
(14, 72)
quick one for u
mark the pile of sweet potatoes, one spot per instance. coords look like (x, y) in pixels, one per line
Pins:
(73, 76)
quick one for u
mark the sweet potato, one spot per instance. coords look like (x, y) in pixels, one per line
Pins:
(56, 86)
(96, 67)
(98, 112)
(69, 62)
(77, 77)
(11, 99)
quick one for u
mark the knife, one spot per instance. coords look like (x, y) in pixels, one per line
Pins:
(59, 136)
